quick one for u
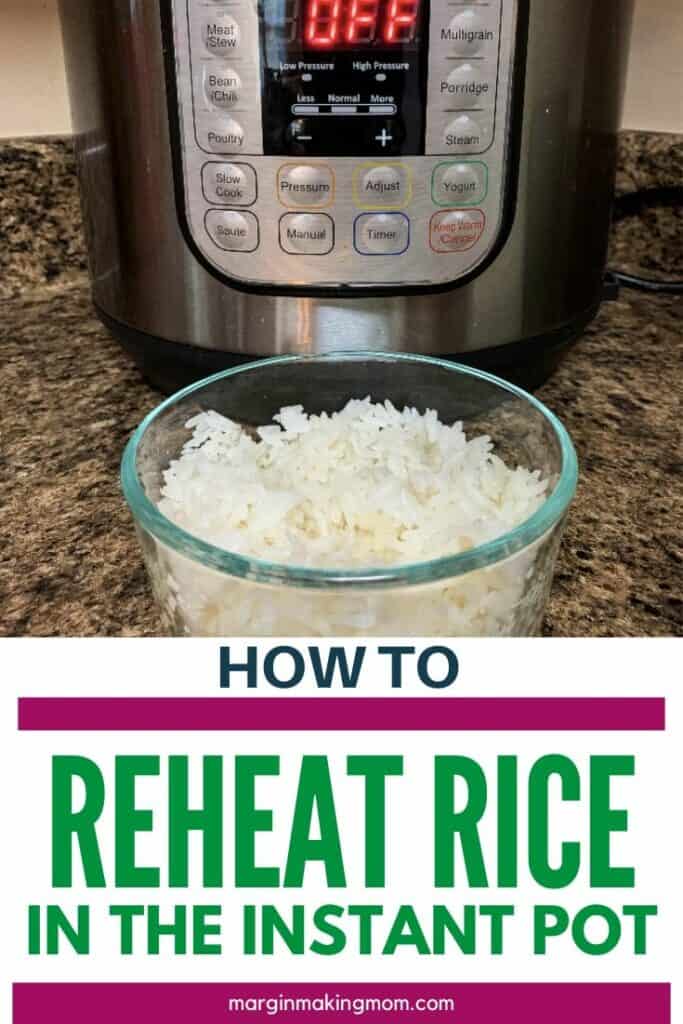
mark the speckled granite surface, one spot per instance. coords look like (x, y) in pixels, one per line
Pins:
(69, 562)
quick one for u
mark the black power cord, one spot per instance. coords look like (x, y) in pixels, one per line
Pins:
(632, 204)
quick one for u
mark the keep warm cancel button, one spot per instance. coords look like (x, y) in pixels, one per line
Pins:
(456, 230)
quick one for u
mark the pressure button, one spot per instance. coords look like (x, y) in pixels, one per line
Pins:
(235, 231)
(305, 185)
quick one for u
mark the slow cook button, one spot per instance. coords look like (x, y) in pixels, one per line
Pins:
(456, 230)
(305, 185)
(307, 233)
(385, 234)
(464, 134)
(229, 184)
(468, 34)
(463, 183)
(221, 35)
(222, 87)
(233, 231)
(222, 136)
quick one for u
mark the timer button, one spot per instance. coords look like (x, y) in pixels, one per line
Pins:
(305, 185)
(461, 184)
(229, 184)
(378, 186)
(222, 136)
(456, 230)
(307, 233)
(381, 234)
(221, 35)
(468, 34)
(464, 134)
(233, 231)
(222, 88)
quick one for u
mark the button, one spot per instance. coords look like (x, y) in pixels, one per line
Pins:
(221, 35)
(464, 184)
(386, 234)
(305, 185)
(311, 233)
(298, 135)
(222, 136)
(222, 87)
(456, 230)
(469, 86)
(468, 34)
(378, 186)
(229, 184)
(236, 232)
(464, 134)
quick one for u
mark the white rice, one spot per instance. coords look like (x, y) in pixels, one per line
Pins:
(368, 486)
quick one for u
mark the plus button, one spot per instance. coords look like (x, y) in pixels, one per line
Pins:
(383, 137)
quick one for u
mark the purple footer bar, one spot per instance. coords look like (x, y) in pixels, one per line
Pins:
(341, 713)
(472, 1003)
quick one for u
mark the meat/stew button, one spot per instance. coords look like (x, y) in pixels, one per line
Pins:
(456, 230)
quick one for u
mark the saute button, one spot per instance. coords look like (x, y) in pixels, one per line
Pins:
(386, 234)
(382, 185)
(229, 184)
(222, 136)
(236, 232)
(305, 185)
(464, 183)
(221, 35)
(456, 230)
(468, 34)
(307, 233)
(222, 86)
(465, 135)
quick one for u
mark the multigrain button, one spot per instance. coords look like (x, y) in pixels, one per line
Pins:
(461, 183)
(469, 85)
(222, 136)
(229, 184)
(222, 87)
(378, 186)
(307, 233)
(465, 134)
(305, 185)
(233, 230)
(456, 230)
(468, 34)
(385, 234)
(221, 35)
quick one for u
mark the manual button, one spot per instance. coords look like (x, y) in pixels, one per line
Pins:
(229, 184)
(232, 230)
(307, 233)
(305, 185)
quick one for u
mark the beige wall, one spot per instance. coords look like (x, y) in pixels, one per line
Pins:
(33, 97)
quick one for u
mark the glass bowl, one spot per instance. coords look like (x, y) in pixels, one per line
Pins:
(497, 589)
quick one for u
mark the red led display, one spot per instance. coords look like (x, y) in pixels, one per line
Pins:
(331, 23)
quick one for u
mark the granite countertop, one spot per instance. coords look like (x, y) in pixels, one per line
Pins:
(70, 563)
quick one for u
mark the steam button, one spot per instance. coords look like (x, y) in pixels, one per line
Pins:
(464, 134)
(235, 231)
(221, 35)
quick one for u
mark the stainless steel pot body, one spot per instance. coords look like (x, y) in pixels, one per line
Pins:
(546, 277)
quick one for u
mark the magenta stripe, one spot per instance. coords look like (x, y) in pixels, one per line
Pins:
(341, 713)
(474, 1003)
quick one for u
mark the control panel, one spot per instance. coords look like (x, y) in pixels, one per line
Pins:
(356, 143)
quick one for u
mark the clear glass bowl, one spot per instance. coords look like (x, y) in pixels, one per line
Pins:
(498, 589)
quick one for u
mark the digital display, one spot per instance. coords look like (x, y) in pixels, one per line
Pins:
(329, 24)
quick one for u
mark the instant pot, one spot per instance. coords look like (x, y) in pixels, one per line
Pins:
(301, 176)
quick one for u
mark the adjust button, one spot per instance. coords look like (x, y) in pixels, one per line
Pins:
(469, 34)
(381, 234)
(462, 183)
(378, 186)
(233, 230)
(229, 184)
(307, 233)
(222, 86)
(305, 185)
(221, 35)
(456, 230)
